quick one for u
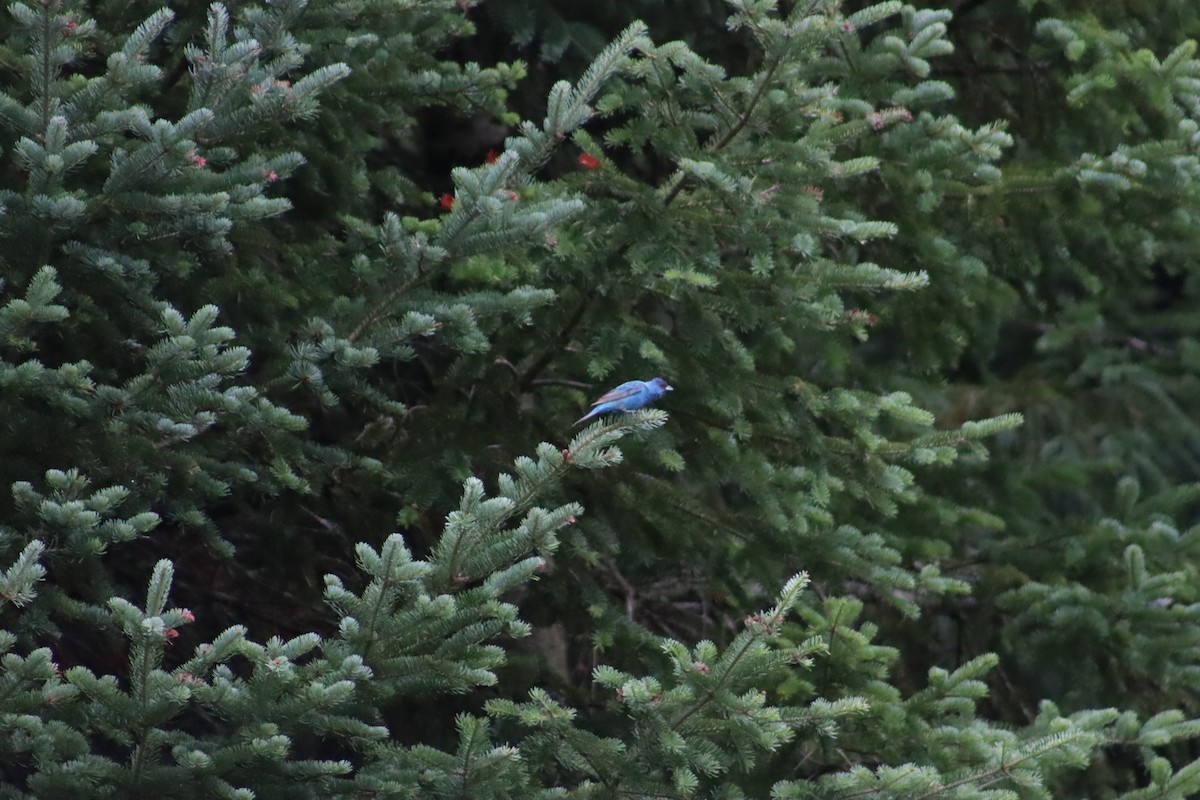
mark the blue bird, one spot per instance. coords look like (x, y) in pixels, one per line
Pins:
(629, 396)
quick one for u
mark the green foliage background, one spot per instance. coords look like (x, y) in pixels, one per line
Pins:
(300, 300)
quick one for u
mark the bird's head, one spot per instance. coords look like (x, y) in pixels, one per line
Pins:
(662, 385)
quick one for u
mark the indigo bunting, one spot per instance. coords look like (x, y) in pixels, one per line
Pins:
(629, 396)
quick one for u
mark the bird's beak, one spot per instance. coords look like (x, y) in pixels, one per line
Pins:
(668, 388)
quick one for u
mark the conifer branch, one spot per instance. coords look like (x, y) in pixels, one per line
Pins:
(743, 120)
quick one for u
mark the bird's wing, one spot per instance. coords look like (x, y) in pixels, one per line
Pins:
(619, 393)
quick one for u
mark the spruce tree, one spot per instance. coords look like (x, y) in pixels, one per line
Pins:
(300, 302)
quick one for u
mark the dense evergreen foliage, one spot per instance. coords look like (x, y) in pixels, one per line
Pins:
(300, 301)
